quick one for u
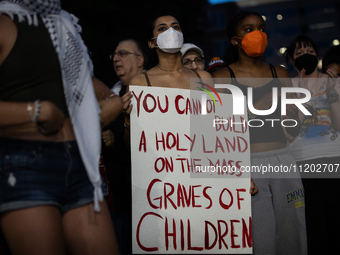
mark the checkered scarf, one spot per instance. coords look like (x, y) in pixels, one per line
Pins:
(76, 69)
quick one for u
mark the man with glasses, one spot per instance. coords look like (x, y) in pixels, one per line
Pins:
(128, 61)
(192, 57)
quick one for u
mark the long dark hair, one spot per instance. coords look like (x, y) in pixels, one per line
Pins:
(231, 53)
(300, 41)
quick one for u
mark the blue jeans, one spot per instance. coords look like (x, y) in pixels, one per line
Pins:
(34, 173)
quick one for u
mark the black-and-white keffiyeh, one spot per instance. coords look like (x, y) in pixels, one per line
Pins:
(76, 69)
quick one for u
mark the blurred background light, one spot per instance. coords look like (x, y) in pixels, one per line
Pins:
(283, 50)
(336, 42)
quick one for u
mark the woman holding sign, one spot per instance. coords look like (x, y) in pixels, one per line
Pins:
(278, 223)
(166, 40)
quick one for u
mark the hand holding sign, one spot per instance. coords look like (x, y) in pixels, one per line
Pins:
(183, 200)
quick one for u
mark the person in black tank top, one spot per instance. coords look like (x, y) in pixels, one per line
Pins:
(51, 197)
(168, 70)
(268, 132)
(278, 225)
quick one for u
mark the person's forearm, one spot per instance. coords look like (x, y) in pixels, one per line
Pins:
(110, 109)
(13, 113)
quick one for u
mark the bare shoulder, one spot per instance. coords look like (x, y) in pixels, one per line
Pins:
(222, 73)
(284, 76)
(5, 20)
(282, 72)
(204, 74)
(138, 80)
(7, 27)
(8, 35)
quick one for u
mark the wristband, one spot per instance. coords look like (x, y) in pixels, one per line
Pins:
(36, 113)
(108, 97)
(29, 109)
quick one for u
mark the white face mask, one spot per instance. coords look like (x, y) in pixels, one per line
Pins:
(170, 41)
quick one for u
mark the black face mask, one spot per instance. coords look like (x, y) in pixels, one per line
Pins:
(306, 61)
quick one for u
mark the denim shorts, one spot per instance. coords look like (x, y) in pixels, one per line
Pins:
(35, 173)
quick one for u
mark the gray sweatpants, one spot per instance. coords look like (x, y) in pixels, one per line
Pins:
(278, 212)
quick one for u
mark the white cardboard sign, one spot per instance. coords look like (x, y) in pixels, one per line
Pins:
(176, 210)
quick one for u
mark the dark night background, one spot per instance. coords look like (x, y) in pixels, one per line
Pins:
(106, 22)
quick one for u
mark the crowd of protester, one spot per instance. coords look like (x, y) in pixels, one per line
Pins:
(64, 134)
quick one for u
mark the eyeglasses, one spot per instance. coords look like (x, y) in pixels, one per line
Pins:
(122, 54)
(188, 62)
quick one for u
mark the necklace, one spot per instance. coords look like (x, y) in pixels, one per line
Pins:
(169, 70)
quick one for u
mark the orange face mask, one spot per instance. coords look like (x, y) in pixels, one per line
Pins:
(254, 43)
